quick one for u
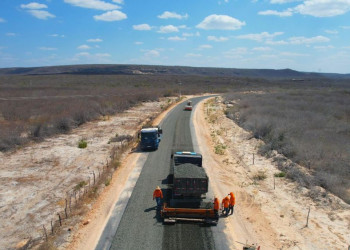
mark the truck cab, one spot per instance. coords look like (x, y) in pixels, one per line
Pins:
(150, 138)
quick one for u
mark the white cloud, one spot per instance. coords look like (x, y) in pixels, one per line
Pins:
(283, 1)
(47, 48)
(328, 47)
(102, 55)
(345, 27)
(138, 43)
(168, 29)
(264, 49)
(83, 54)
(205, 46)
(57, 35)
(2, 20)
(111, 16)
(35, 9)
(220, 22)
(94, 40)
(41, 14)
(84, 46)
(152, 53)
(11, 34)
(143, 26)
(84, 57)
(118, 1)
(34, 6)
(217, 39)
(193, 55)
(316, 8)
(168, 14)
(305, 40)
(260, 37)
(93, 4)
(191, 34)
(280, 42)
(331, 32)
(323, 8)
(285, 13)
(177, 38)
(291, 54)
(236, 53)
(300, 40)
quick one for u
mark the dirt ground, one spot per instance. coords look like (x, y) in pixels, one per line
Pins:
(273, 216)
(35, 179)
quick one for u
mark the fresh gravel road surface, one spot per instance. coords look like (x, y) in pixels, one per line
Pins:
(140, 226)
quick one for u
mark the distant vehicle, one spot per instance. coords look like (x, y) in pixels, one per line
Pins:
(189, 187)
(150, 138)
(188, 106)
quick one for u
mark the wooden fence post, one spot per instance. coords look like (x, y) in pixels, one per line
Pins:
(274, 182)
(253, 158)
(307, 220)
(93, 172)
(59, 218)
(51, 228)
(45, 232)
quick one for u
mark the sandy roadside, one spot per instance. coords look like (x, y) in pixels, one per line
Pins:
(272, 218)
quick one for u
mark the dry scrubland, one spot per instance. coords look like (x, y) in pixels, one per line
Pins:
(34, 107)
(309, 123)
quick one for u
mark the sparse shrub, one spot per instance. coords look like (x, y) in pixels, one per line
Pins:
(82, 144)
(259, 176)
(107, 182)
(63, 125)
(280, 174)
(220, 149)
(80, 185)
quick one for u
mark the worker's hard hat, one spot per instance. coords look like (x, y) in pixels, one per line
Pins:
(158, 187)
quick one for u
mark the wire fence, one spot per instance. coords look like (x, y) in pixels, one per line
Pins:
(78, 196)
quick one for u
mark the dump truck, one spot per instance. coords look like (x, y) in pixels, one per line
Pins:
(189, 186)
(150, 138)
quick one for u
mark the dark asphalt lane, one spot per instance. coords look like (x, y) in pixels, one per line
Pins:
(140, 227)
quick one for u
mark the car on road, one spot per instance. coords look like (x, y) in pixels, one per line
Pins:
(188, 108)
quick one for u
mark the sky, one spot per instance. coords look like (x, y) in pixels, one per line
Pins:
(303, 35)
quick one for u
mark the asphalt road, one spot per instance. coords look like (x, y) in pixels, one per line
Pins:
(140, 227)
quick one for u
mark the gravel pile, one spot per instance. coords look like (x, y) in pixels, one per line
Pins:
(189, 170)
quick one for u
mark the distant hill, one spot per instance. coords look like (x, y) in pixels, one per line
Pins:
(116, 69)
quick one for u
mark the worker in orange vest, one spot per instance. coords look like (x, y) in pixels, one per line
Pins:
(158, 195)
(226, 204)
(216, 206)
(232, 202)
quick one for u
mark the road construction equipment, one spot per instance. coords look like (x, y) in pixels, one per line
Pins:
(189, 185)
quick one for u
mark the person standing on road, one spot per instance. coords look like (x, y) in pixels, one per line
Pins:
(226, 204)
(216, 206)
(232, 202)
(158, 195)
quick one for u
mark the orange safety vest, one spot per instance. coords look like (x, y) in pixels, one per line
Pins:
(216, 204)
(232, 199)
(158, 193)
(226, 202)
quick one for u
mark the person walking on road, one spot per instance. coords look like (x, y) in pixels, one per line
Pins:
(216, 206)
(226, 204)
(158, 195)
(232, 202)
